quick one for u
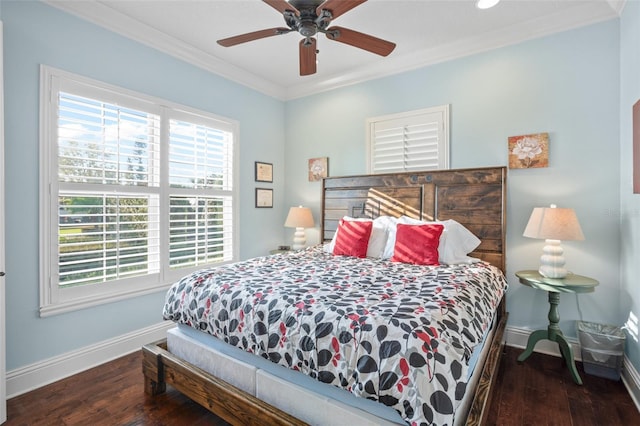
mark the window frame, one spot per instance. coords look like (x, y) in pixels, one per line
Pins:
(442, 112)
(55, 300)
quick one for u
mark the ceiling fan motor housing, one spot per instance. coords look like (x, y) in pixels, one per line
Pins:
(308, 23)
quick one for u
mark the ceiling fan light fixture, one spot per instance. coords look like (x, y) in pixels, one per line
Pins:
(486, 4)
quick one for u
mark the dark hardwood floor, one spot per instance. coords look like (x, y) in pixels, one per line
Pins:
(540, 391)
(537, 392)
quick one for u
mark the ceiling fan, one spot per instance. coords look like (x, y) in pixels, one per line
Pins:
(309, 17)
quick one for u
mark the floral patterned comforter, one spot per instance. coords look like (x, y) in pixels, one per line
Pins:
(397, 333)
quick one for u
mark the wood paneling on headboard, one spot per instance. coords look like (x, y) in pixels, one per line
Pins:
(474, 197)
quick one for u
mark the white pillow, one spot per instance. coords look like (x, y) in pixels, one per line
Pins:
(456, 241)
(377, 240)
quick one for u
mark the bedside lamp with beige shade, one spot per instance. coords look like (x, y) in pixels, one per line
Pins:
(299, 218)
(553, 225)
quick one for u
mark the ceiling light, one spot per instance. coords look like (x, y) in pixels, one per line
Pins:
(486, 4)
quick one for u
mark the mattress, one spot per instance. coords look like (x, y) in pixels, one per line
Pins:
(400, 334)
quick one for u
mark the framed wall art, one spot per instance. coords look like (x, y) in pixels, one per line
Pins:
(318, 168)
(529, 151)
(264, 197)
(264, 172)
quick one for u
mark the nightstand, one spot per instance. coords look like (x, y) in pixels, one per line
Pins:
(572, 283)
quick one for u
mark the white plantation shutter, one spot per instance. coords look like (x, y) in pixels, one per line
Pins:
(106, 236)
(106, 144)
(202, 234)
(200, 156)
(135, 191)
(416, 140)
(200, 225)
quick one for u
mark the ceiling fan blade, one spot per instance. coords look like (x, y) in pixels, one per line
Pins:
(308, 56)
(338, 7)
(255, 35)
(360, 40)
(281, 6)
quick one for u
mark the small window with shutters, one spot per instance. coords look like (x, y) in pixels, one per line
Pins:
(414, 140)
(136, 192)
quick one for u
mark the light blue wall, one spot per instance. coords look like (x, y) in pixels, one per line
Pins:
(36, 34)
(629, 202)
(566, 84)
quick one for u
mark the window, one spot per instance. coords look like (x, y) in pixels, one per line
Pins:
(415, 140)
(136, 192)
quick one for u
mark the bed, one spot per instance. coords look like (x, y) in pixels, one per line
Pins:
(385, 345)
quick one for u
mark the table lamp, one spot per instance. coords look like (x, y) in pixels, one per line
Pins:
(299, 218)
(553, 225)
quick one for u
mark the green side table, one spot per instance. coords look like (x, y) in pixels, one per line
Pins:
(572, 283)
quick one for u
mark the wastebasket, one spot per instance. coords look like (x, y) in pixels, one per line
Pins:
(602, 349)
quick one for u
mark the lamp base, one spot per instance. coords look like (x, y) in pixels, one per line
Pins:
(299, 239)
(552, 260)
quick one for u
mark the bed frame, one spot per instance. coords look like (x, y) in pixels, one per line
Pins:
(474, 197)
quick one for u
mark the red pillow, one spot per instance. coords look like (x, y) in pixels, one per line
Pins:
(352, 238)
(417, 244)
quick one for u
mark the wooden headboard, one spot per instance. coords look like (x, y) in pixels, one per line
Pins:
(474, 197)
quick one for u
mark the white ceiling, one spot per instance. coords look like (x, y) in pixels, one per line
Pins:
(425, 32)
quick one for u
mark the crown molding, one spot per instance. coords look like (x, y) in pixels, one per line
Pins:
(106, 17)
(551, 24)
(617, 5)
(110, 19)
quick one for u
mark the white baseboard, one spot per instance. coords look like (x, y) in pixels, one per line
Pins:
(42, 373)
(517, 337)
(631, 380)
(30, 377)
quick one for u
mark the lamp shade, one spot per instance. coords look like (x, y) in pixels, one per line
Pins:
(552, 223)
(299, 217)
